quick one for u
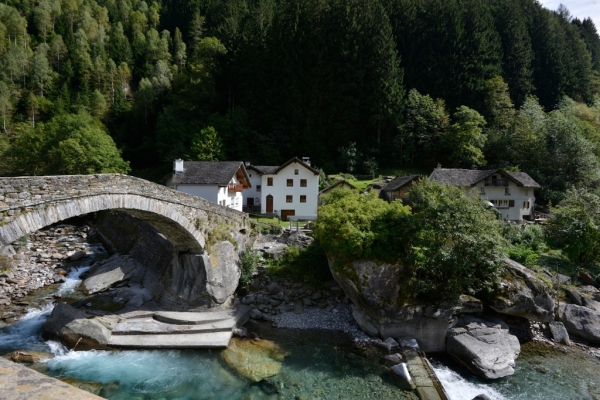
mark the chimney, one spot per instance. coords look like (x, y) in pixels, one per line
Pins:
(439, 166)
(473, 166)
(178, 166)
(306, 160)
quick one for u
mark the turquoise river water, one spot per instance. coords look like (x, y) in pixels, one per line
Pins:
(320, 365)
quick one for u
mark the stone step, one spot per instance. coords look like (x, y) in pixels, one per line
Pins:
(240, 314)
(150, 326)
(172, 341)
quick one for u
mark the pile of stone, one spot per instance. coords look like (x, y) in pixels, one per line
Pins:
(271, 296)
(39, 261)
(274, 246)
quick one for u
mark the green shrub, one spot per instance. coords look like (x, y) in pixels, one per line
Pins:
(523, 254)
(250, 260)
(303, 265)
(450, 244)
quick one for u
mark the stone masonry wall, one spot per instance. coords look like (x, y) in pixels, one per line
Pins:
(29, 203)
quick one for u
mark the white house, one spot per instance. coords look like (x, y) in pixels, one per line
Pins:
(220, 182)
(291, 189)
(511, 193)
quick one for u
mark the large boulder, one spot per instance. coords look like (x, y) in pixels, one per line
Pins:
(381, 309)
(522, 294)
(581, 321)
(195, 281)
(73, 328)
(483, 346)
(114, 270)
(254, 359)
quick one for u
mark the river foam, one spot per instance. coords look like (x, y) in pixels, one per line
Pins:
(458, 388)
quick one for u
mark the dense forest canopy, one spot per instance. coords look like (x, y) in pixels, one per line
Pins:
(505, 83)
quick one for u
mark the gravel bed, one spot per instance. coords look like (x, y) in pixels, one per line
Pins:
(339, 319)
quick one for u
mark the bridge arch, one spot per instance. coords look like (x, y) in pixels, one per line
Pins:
(28, 204)
(177, 228)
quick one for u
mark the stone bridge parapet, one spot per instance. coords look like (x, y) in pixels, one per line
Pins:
(30, 203)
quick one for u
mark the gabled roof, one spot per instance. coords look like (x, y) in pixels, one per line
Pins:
(212, 173)
(470, 177)
(398, 182)
(273, 170)
(299, 161)
(336, 185)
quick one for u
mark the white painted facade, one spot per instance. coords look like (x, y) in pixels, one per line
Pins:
(217, 194)
(302, 200)
(255, 191)
(511, 194)
(513, 202)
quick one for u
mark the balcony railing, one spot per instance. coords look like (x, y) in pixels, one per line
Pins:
(235, 187)
(496, 182)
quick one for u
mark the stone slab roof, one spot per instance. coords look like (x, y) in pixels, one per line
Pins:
(337, 184)
(398, 182)
(264, 169)
(469, 177)
(208, 172)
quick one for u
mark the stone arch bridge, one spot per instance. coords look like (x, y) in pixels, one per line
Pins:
(30, 203)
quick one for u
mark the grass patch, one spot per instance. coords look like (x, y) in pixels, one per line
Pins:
(219, 233)
(6, 264)
(306, 265)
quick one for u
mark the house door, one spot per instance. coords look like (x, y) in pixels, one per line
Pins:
(287, 213)
(269, 204)
(250, 202)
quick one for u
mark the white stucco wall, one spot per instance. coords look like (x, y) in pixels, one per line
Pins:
(216, 194)
(519, 194)
(208, 192)
(253, 192)
(280, 190)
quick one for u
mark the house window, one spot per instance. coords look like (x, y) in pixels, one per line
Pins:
(269, 181)
(303, 182)
(290, 182)
(482, 190)
(289, 198)
(526, 205)
(258, 188)
(302, 198)
(507, 191)
(295, 172)
(511, 203)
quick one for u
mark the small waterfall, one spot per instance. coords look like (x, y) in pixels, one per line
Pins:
(458, 388)
(73, 280)
(25, 333)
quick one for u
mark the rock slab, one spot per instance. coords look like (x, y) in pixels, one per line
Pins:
(582, 321)
(484, 346)
(21, 383)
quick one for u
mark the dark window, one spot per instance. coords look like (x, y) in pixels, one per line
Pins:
(303, 182)
(269, 181)
(511, 203)
(289, 198)
(302, 198)
(258, 188)
(290, 182)
(295, 172)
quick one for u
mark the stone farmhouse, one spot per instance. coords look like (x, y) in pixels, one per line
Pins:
(220, 182)
(288, 190)
(398, 188)
(511, 193)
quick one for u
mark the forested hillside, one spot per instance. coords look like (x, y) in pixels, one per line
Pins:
(505, 83)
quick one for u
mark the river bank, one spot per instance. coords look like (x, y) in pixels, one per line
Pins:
(327, 355)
